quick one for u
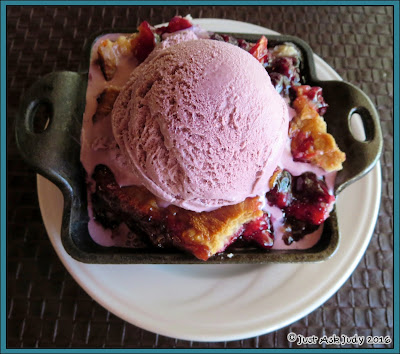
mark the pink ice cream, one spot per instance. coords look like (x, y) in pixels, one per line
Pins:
(201, 125)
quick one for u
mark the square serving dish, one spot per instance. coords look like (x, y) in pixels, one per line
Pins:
(55, 154)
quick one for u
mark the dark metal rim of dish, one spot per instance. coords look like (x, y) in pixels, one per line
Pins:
(55, 154)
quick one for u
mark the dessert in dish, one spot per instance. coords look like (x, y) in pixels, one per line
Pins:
(204, 142)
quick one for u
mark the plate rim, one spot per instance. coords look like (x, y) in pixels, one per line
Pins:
(66, 259)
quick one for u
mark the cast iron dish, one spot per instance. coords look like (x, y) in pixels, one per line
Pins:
(55, 154)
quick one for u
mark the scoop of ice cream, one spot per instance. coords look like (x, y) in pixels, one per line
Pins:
(201, 125)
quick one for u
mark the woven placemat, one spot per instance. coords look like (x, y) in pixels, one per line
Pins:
(47, 308)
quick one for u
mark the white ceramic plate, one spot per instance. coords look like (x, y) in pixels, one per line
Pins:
(224, 302)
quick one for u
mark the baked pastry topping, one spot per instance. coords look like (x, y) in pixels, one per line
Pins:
(310, 141)
(109, 53)
(202, 234)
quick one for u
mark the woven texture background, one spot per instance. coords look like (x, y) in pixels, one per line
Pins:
(47, 308)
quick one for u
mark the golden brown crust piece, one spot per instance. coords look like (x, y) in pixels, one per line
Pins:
(109, 52)
(107, 59)
(324, 151)
(207, 233)
(202, 234)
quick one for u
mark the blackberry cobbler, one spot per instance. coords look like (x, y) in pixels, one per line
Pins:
(295, 206)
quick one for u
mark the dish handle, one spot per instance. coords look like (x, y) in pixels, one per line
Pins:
(48, 126)
(361, 156)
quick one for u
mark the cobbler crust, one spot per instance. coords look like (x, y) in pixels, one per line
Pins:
(203, 234)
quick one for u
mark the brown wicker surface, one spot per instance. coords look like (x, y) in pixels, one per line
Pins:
(47, 308)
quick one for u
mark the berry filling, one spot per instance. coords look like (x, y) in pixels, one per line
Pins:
(144, 42)
(260, 231)
(177, 23)
(296, 229)
(303, 147)
(286, 66)
(314, 96)
(305, 201)
(260, 50)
